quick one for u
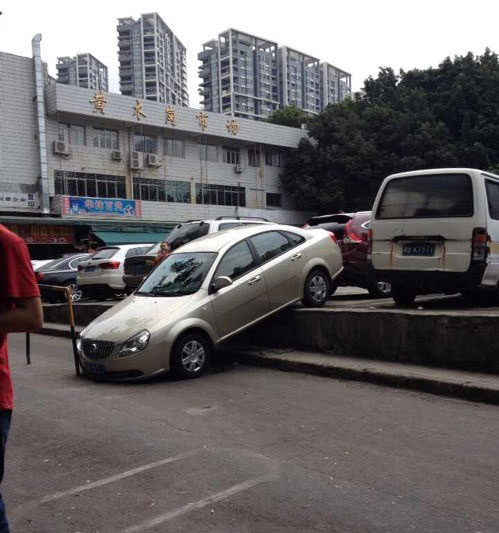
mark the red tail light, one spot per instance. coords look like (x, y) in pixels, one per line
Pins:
(306, 226)
(110, 265)
(38, 276)
(480, 244)
(350, 235)
(332, 236)
(369, 243)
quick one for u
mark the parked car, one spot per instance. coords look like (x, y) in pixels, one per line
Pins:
(60, 272)
(204, 293)
(101, 275)
(437, 231)
(38, 263)
(334, 223)
(137, 267)
(357, 269)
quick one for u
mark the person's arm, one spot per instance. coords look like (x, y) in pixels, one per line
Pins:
(27, 315)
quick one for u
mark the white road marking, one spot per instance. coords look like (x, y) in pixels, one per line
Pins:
(149, 524)
(117, 477)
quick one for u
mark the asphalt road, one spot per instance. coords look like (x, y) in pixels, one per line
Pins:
(242, 449)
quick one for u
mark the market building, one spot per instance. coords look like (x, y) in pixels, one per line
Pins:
(79, 164)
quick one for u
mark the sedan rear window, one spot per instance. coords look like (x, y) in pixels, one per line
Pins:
(104, 253)
(270, 245)
(427, 196)
(184, 233)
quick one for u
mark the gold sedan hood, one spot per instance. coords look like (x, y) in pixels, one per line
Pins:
(132, 315)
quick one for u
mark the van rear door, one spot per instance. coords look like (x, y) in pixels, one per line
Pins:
(425, 222)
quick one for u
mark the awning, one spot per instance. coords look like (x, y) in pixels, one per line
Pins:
(129, 237)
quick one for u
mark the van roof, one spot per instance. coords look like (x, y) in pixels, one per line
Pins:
(424, 172)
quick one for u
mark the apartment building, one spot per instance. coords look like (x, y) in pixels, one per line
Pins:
(86, 161)
(243, 75)
(152, 60)
(83, 70)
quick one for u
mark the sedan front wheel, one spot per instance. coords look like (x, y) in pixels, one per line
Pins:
(190, 356)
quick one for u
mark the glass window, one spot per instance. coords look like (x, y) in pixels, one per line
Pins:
(493, 198)
(149, 190)
(145, 143)
(254, 157)
(270, 245)
(229, 225)
(178, 275)
(104, 253)
(294, 238)
(236, 262)
(273, 199)
(184, 233)
(178, 191)
(104, 138)
(220, 195)
(208, 152)
(91, 185)
(140, 250)
(72, 134)
(231, 155)
(174, 148)
(427, 196)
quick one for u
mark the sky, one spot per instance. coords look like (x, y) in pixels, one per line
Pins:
(359, 36)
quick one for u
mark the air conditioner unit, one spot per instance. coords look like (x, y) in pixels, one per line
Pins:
(62, 148)
(238, 169)
(135, 160)
(116, 155)
(153, 160)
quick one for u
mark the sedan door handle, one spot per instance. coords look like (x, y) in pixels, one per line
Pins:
(296, 257)
(253, 280)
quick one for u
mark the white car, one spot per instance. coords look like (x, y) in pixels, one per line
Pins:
(38, 263)
(102, 274)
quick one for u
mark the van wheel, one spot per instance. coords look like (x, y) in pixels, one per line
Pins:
(190, 356)
(403, 296)
(380, 289)
(317, 289)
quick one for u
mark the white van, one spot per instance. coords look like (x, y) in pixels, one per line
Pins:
(437, 231)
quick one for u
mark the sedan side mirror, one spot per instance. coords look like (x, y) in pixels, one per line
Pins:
(221, 282)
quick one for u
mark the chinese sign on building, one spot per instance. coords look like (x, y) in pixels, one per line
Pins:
(232, 127)
(137, 110)
(170, 115)
(82, 206)
(43, 233)
(99, 101)
(10, 200)
(202, 120)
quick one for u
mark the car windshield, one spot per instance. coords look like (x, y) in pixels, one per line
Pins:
(104, 253)
(184, 233)
(56, 264)
(178, 275)
(427, 196)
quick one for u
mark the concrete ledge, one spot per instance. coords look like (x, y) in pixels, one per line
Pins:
(465, 340)
(455, 383)
(84, 312)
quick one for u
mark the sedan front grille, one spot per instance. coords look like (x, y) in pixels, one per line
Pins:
(97, 349)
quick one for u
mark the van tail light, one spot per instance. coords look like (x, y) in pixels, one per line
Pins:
(110, 265)
(369, 243)
(350, 235)
(480, 244)
(332, 236)
(38, 276)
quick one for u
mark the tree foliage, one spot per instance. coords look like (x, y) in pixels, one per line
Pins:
(289, 116)
(438, 117)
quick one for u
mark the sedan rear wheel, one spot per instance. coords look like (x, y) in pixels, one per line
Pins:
(190, 356)
(317, 289)
(76, 293)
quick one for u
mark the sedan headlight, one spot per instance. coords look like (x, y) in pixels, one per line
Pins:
(135, 344)
(78, 345)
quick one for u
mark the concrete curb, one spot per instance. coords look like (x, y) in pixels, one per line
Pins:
(464, 386)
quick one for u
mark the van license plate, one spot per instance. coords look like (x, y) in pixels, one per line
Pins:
(417, 248)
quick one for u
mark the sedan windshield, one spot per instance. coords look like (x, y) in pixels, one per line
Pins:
(178, 275)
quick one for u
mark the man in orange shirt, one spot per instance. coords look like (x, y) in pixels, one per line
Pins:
(20, 310)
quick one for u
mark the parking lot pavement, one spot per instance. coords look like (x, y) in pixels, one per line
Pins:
(242, 449)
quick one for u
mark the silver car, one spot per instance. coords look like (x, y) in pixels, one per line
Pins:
(204, 293)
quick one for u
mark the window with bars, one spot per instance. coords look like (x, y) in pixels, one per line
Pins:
(90, 185)
(152, 190)
(145, 143)
(254, 157)
(220, 195)
(272, 159)
(72, 134)
(231, 155)
(174, 147)
(104, 138)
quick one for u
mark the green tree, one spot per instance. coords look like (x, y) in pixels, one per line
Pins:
(438, 117)
(289, 116)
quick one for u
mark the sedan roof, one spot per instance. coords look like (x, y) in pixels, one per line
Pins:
(216, 241)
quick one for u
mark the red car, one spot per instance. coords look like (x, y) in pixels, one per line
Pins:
(357, 269)
(351, 232)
